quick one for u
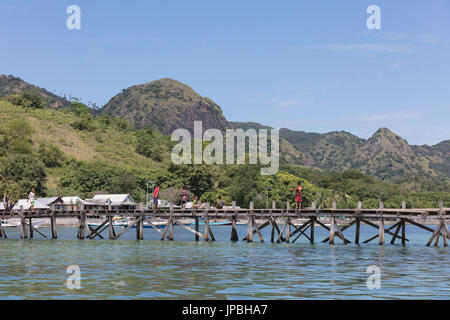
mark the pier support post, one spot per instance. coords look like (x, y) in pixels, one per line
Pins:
(196, 228)
(171, 222)
(141, 229)
(82, 225)
(112, 233)
(23, 228)
(207, 221)
(250, 224)
(272, 233)
(311, 230)
(358, 223)
(288, 229)
(31, 228)
(234, 235)
(2, 232)
(288, 222)
(403, 232)
(444, 228)
(332, 230)
(53, 225)
(381, 226)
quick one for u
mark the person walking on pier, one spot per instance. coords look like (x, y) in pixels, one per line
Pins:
(31, 198)
(184, 198)
(155, 197)
(298, 195)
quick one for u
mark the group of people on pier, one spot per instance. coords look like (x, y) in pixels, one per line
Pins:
(184, 198)
(219, 203)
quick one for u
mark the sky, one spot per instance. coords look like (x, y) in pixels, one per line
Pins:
(304, 65)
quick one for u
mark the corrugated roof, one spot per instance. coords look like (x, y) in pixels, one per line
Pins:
(27, 204)
(73, 200)
(115, 199)
(48, 201)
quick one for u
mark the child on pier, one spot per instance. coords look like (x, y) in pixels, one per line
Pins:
(184, 198)
(298, 195)
(31, 198)
(155, 197)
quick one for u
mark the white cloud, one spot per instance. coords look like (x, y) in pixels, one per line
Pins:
(385, 116)
(370, 48)
(294, 103)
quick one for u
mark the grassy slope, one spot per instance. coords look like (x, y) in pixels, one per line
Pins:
(109, 144)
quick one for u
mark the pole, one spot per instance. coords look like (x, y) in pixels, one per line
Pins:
(146, 198)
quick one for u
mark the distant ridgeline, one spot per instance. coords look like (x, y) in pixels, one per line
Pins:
(66, 148)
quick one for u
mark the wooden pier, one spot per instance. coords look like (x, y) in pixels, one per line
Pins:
(289, 233)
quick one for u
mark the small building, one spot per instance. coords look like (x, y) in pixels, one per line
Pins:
(72, 203)
(96, 204)
(116, 201)
(54, 202)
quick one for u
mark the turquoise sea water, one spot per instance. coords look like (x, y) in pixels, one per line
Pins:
(185, 269)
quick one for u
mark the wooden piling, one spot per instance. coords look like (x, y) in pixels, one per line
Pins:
(171, 222)
(53, 225)
(288, 229)
(2, 232)
(31, 228)
(82, 223)
(207, 221)
(23, 228)
(111, 228)
(311, 230)
(381, 238)
(403, 232)
(358, 222)
(332, 231)
(250, 224)
(196, 228)
(234, 235)
(272, 233)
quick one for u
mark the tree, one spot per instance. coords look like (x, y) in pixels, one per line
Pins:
(86, 177)
(148, 144)
(16, 136)
(28, 100)
(50, 155)
(19, 173)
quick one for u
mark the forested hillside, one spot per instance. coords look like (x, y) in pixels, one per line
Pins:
(71, 152)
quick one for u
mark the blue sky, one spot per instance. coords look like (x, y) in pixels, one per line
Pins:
(312, 66)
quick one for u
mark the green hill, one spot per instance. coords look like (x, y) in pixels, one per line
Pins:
(13, 85)
(73, 150)
(167, 105)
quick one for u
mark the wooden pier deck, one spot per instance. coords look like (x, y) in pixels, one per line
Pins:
(397, 219)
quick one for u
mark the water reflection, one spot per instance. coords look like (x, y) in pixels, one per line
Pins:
(184, 269)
